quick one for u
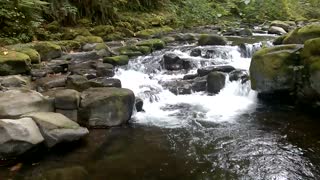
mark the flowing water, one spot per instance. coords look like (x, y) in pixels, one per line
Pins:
(231, 135)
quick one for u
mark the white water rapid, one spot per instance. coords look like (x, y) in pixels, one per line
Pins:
(165, 109)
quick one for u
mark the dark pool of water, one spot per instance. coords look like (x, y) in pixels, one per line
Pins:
(270, 143)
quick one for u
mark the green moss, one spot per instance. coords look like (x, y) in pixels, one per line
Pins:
(147, 33)
(12, 63)
(315, 66)
(28, 50)
(311, 48)
(33, 54)
(156, 44)
(102, 30)
(53, 26)
(300, 35)
(47, 50)
(117, 60)
(279, 40)
(71, 33)
(89, 39)
(84, 22)
(272, 68)
(134, 50)
(281, 24)
(126, 32)
(126, 25)
(101, 46)
(114, 36)
(68, 45)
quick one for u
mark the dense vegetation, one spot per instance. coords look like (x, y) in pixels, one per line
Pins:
(22, 18)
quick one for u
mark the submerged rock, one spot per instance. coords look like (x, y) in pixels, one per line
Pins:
(18, 136)
(14, 103)
(105, 107)
(239, 74)
(57, 128)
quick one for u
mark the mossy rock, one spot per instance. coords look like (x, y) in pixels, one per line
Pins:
(134, 50)
(168, 39)
(12, 63)
(126, 32)
(311, 49)
(155, 44)
(114, 36)
(272, 69)
(300, 35)
(117, 60)
(68, 45)
(125, 25)
(33, 54)
(47, 50)
(71, 33)
(148, 33)
(102, 30)
(101, 46)
(89, 39)
(211, 39)
(282, 24)
(279, 40)
(84, 22)
(28, 50)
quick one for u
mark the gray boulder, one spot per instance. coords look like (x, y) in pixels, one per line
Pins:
(14, 103)
(67, 99)
(105, 107)
(18, 136)
(215, 82)
(276, 30)
(57, 128)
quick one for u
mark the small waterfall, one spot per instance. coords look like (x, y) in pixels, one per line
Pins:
(145, 77)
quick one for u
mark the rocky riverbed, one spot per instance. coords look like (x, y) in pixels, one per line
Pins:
(181, 83)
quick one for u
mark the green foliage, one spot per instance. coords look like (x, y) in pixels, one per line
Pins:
(18, 18)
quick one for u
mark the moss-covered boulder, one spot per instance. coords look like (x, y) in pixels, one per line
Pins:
(155, 44)
(89, 39)
(211, 39)
(101, 46)
(102, 30)
(311, 59)
(68, 45)
(33, 54)
(12, 63)
(117, 60)
(47, 50)
(71, 33)
(272, 69)
(105, 107)
(134, 50)
(300, 35)
(148, 33)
